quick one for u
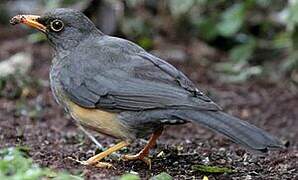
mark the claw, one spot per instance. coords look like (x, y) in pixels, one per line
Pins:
(95, 160)
(145, 159)
(76, 160)
(104, 165)
(85, 163)
(144, 153)
(97, 164)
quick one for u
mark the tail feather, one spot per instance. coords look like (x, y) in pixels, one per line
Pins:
(237, 130)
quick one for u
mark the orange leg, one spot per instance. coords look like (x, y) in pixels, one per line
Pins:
(143, 154)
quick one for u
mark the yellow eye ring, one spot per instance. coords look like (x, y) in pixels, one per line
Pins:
(57, 25)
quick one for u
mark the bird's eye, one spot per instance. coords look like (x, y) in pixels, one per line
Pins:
(57, 25)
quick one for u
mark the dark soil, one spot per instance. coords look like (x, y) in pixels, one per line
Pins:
(52, 137)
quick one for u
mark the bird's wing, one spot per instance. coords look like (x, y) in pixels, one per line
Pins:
(130, 81)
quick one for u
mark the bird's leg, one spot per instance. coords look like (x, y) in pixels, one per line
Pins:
(91, 137)
(143, 154)
(94, 160)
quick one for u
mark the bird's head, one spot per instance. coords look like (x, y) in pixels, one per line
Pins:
(64, 27)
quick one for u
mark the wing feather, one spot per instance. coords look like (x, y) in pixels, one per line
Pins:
(134, 80)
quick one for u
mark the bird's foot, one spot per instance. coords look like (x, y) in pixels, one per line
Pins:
(99, 164)
(93, 163)
(144, 153)
(139, 156)
(96, 160)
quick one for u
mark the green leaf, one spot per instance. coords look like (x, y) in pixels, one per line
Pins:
(282, 40)
(130, 177)
(145, 42)
(239, 72)
(207, 28)
(232, 20)
(211, 169)
(162, 176)
(243, 52)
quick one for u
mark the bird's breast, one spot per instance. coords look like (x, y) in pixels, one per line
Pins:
(56, 86)
(99, 120)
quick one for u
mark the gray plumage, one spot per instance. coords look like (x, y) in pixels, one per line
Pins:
(97, 71)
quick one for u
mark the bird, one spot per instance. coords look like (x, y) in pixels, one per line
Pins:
(113, 86)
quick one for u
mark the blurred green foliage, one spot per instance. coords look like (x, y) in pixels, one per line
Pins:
(15, 165)
(251, 31)
(129, 177)
(162, 176)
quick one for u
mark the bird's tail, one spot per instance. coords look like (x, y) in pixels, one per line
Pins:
(236, 129)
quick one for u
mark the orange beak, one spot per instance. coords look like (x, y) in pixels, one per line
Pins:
(29, 20)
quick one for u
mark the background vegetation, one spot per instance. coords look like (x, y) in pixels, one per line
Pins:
(258, 36)
(255, 37)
